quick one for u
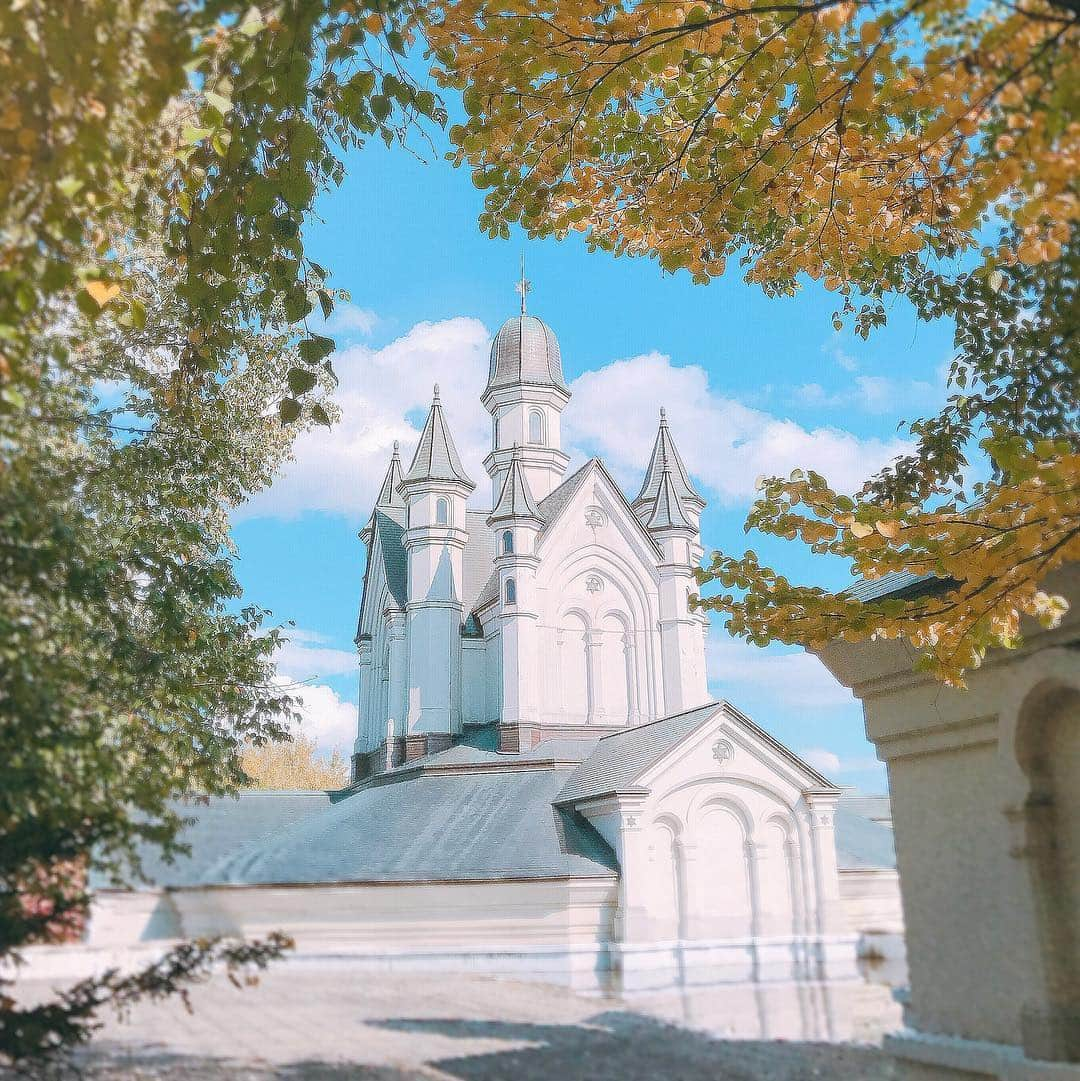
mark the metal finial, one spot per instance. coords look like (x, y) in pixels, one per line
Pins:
(395, 446)
(436, 392)
(523, 286)
(663, 415)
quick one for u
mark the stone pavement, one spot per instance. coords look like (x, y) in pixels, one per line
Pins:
(331, 1024)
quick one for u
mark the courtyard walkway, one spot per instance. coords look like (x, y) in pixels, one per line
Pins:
(332, 1024)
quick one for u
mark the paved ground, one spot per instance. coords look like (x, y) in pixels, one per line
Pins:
(330, 1024)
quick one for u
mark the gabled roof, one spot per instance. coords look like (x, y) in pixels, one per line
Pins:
(898, 584)
(515, 500)
(389, 495)
(436, 456)
(667, 512)
(665, 453)
(623, 758)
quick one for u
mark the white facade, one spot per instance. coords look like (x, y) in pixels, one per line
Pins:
(563, 609)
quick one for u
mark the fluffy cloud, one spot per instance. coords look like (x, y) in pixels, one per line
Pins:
(876, 394)
(307, 656)
(348, 321)
(326, 718)
(795, 679)
(834, 765)
(384, 395)
(725, 443)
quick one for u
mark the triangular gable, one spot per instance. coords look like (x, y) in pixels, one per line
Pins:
(627, 761)
(552, 509)
(385, 576)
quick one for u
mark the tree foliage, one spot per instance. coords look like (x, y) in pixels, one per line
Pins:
(293, 764)
(128, 676)
(214, 122)
(930, 147)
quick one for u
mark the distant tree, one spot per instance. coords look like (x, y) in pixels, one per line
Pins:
(127, 675)
(293, 764)
(926, 147)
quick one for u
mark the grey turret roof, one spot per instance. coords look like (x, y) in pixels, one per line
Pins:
(667, 512)
(515, 500)
(389, 495)
(665, 452)
(525, 350)
(436, 456)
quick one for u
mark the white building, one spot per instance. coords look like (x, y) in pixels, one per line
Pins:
(540, 780)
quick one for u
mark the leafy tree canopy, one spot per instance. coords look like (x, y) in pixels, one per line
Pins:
(876, 146)
(293, 764)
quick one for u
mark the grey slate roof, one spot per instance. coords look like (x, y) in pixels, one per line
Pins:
(458, 826)
(390, 527)
(515, 499)
(221, 825)
(667, 512)
(900, 584)
(665, 452)
(621, 758)
(861, 843)
(476, 562)
(436, 456)
(389, 493)
(525, 350)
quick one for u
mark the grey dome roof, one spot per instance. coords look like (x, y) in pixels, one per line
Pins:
(525, 351)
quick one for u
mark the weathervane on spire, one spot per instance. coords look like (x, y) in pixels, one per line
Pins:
(524, 285)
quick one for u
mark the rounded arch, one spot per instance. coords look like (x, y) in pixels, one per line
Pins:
(442, 511)
(510, 591)
(506, 542)
(537, 426)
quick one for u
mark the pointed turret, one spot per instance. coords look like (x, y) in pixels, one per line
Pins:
(515, 500)
(436, 457)
(665, 453)
(389, 493)
(667, 510)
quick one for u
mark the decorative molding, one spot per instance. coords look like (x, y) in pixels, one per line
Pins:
(723, 751)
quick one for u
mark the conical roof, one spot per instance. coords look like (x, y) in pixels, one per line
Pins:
(667, 512)
(436, 456)
(389, 494)
(515, 500)
(665, 452)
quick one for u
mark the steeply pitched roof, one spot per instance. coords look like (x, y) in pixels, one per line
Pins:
(389, 495)
(440, 826)
(436, 456)
(665, 452)
(667, 512)
(862, 843)
(391, 529)
(515, 500)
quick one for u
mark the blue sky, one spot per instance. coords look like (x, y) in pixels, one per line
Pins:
(752, 385)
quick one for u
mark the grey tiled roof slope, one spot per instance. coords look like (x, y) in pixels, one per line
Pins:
(665, 453)
(515, 500)
(221, 825)
(525, 350)
(436, 456)
(862, 844)
(667, 512)
(895, 584)
(391, 529)
(621, 758)
(430, 827)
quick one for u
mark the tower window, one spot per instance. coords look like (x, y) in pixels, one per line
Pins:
(511, 591)
(507, 542)
(536, 426)
(442, 511)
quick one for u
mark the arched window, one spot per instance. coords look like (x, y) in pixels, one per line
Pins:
(442, 511)
(511, 591)
(507, 542)
(536, 426)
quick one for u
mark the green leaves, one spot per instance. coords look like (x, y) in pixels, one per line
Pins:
(289, 410)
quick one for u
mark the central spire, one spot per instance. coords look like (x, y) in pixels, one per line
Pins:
(524, 285)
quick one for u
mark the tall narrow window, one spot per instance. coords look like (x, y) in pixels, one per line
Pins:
(536, 426)
(507, 542)
(442, 511)
(511, 591)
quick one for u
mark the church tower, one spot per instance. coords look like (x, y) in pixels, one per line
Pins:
(435, 488)
(670, 509)
(525, 395)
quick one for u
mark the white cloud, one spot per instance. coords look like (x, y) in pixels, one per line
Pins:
(725, 443)
(797, 679)
(384, 395)
(306, 656)
(872, 394)
(835, 765)
(347, 320)
(327, 719)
